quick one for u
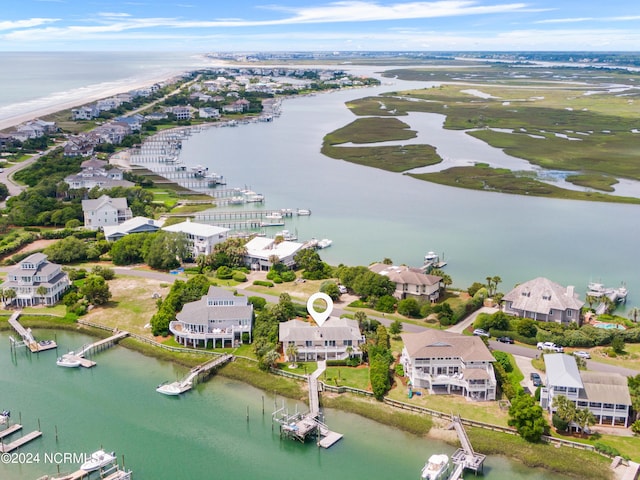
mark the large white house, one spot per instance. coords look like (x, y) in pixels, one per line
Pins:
(34, 272)
(445, 362)
(105, 212)
(544, 300)
(202, 238)
(218, 315)
(410, 282)
(606, 395)
(260, 251)
(337, 339)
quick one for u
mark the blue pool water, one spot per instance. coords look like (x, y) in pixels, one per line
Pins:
(609, 326)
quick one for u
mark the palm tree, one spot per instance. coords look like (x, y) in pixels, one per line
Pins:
(489, 285)
(292, 353)
(41, 291)
(591, 300)
(202, 262)
(496, 280)
(583, 417)
(565, 408)
(271, 358)
(9, 293)
(634, 313)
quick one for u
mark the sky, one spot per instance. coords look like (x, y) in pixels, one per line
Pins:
(319, 25)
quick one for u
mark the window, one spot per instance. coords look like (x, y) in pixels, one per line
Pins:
(308, 343)
(329, 343)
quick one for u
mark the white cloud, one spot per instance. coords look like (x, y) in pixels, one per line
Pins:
(28, 23)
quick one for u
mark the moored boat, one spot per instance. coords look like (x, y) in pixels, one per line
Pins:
(97, 460)
(68, 360)
(303, 212)
(174, 388)
(325, 243)
(436, 468)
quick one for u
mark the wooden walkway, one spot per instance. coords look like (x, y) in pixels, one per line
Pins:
(465, 457)
(105, 343)
(9, 430)
(27, 336)
(188, 381)
(10, 447)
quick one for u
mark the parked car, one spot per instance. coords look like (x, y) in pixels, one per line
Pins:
(481, 333)
(582, 354)
(342, 289)
(505, 339)
(550, 346)
(535, 378)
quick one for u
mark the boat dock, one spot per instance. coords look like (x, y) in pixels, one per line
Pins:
(109, 472)
(27, 336)
(186, 383)
(10, 447)
(300, 426)
(94, 347)
(465, 457)
(9, 430)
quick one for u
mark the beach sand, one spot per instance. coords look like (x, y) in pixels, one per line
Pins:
(13, 120)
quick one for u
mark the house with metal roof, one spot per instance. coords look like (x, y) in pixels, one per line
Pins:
(217, 316)
(133, 225)
(201, 237)
(410, 282)
(449, 363)
(336, 339)
(606, 395)
(260, 251)
(544, 300)
(29, 275)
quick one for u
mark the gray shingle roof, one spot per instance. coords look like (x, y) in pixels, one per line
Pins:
(334, 328)
(541, 295)
(405, 275)
(439, 344)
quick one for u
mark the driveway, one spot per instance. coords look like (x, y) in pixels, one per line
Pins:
(462, 326)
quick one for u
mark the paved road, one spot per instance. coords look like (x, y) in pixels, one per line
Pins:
(525, 353)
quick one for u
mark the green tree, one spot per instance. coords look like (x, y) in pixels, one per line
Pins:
(617, 344)
(527, 327)
(409, 307)
(231, 253)
(386, 303)
(633, 314)
(166, 250)
(395, 328)
(292, 353)
(314, 268)
(42, 292)
(527, 418)
(129, 249)
(4, 192)
(331, 288)
(271, 358)
(95, 290)
(67, 250)
(371, 284)
(565, 409)
(584, 418)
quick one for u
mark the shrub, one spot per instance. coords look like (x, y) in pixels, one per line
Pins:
(239, 277)
(606, 449)
(263, 283)
(257, 302)
(224, 273)
(560, 424)
(386, 304)
(399, 370)
(288, 276)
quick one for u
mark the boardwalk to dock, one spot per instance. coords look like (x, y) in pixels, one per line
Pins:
(187, 382)
(465, 457)
(10, 447)
(94, 347)
(27, 336)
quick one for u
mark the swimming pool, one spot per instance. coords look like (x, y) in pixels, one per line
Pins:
(609, 326)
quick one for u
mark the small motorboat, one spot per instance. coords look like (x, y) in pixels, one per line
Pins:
(174, 388)
(436, 468)
(325, 243)
(68, 360)
(97, 460)
(4, 417)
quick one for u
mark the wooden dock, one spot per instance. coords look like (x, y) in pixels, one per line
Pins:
(80, 356)
(10, 447)
(465, 457)
(9, 430)
(27, 336)
(198, 372)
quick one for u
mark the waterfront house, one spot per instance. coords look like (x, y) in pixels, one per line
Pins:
(449, 363)
(29, 275)
(209, 112)
(201, 237)
(80, 146)
(261, 251)
(88, 112)
(410, 282)
(337, 339)
(544, 300)
(133, 225)
(606, 395)
(105, 211)
(218, 315)
(94, 174)
(180, 112)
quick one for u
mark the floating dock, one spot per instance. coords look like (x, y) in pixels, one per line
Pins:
(184, 385)
(301, 426)
(27, 336)
(94, 347)
(10, 447)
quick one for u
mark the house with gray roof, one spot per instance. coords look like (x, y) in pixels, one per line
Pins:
(410, 282)
(606, 395)
(336, 339)
(449, 363)
(30, 274)
(133, 225)
(217, 316)
(105, 212)
(544, 300)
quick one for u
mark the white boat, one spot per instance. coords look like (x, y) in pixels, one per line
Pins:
(68, 360)
(174, 388)
(4, 417)
(303, 212)
(432, 260)
(436, 468)
(595, 289)
(97, 460)
(273, 216)
(287, 235)
(324, 243)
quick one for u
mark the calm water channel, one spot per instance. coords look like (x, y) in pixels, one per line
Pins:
(203, 434)
(371, 214)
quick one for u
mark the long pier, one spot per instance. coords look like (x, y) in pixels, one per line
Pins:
(94, 347)
(300, 426)
(465, 457)
(186, 383)
(27, 336)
